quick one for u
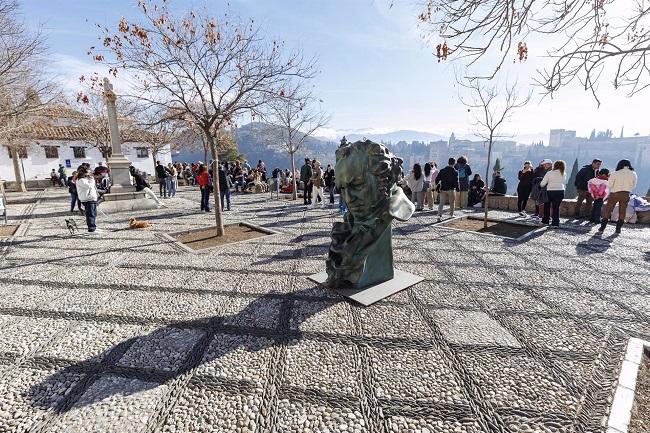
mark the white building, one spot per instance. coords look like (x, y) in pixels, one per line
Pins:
(57, 141)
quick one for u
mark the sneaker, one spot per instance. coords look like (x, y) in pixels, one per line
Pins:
(522, 213)
(439, 219)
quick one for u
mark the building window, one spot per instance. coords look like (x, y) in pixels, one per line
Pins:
(142, 152)
(22, 152)
(51, 152)
(79, 152)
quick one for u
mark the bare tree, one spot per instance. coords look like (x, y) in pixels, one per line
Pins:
(591, 37)
(296, 115)
(159, 130)
(194, 139)
(24, 91)
(208, 69)
(491, 108)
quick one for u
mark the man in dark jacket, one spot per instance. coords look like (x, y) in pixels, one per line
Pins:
(161, 174)
(142, 185)
(224, 185)
(447, 182)
(306, 173)
(499, 186)
(585, 174)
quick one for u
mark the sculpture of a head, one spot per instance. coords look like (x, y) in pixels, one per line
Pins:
(367, 174)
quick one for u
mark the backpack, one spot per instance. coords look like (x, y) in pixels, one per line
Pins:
(462, 169)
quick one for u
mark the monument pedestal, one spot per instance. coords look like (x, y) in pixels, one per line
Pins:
(126, 201)
(120, 175)
(369, 295)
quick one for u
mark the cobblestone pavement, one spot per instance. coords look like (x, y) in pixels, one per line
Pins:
(127, 332)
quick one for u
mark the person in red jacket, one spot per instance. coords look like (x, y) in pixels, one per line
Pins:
(205, 183)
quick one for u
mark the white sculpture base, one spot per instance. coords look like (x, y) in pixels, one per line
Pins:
(120, 175)
(126, 202)
(368, 296)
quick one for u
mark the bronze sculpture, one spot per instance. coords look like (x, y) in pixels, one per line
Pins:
(361, 254)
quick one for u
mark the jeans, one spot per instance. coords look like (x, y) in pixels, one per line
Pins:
(428, 198)
(307, 193)
(449, 196)
(620, 197)
(331, 194)
(596, 210)
(552, 208)
(162, 186)
(343, 208)
(522, 198)
(172, 182)
(418, 197)
(91, 215)
(74, 200)
(582, 196)
(225, 193)
(205, 198)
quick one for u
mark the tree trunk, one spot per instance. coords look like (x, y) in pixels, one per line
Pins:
(487, 185)
(20, 183)
(215, 182)
(205, 153)
(154, 155)
(293, 176)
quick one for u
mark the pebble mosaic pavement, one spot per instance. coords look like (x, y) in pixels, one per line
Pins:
(128, 332)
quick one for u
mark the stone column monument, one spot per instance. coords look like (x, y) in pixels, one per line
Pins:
(117, 162)
(123, 196)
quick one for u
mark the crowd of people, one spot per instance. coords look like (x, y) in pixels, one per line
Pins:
(86, 187)
(544, 184)
(599, 191)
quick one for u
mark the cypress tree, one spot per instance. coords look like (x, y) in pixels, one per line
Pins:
(571, 191)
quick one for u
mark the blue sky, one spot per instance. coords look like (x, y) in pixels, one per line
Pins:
(376, 71)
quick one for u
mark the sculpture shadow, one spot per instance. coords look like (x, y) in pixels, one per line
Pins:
(148, 356)
(317, 250)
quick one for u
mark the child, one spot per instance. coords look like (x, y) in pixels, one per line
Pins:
(599, 191)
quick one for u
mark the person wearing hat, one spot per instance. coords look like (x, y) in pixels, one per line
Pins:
(306, 172)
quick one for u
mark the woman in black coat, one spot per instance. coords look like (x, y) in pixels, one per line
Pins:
(476, 190)
(525, 186)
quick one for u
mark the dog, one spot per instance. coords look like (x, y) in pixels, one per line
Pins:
(72, 225)
(135, 224)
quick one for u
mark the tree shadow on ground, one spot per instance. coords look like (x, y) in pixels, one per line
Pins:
(50, 215)
(149, 358)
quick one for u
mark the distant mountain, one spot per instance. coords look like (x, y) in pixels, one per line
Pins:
(259, 140)
(397, 136)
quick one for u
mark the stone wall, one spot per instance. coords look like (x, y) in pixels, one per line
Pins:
(509, 202)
